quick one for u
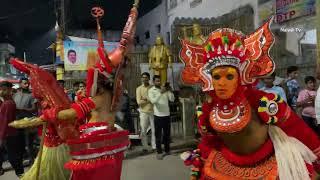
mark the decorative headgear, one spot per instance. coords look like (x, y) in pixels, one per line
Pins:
(229, 47)
(110, 64)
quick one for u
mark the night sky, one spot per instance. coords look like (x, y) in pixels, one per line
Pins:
(29, 24)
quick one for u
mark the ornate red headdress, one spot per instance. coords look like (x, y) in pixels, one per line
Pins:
(110, 64)
(229, 47)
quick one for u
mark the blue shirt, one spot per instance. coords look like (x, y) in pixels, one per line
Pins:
(276, 90)
(293, 91)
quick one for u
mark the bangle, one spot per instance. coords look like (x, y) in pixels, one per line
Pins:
(194, 173)
(83, 108)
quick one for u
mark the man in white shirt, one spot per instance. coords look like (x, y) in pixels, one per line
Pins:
(146, 112)
(160, 96)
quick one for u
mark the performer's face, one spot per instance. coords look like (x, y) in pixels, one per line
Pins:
(225, 81)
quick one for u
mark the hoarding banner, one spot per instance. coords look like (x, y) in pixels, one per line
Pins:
(290, 9)
(79, 55)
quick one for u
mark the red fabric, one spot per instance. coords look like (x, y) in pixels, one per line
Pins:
(105, 167)
(44, 85)
(80, 96)
(89, 83)
(105, 60)
(50, 115)
(51, 138)
(207, 143)
(101, 150)
(83, 107)
(7, 115)
(98, 137)
(110, 170)
(232, 38)
(297, 128)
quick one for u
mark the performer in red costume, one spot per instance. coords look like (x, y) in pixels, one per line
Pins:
(246, 133)
(98, 152)
(53, 152)
(97, 147)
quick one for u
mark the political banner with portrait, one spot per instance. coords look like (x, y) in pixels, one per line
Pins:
(79, 55)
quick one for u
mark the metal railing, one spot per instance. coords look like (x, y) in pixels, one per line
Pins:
(175, 117)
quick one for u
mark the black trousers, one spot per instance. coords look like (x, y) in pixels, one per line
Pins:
(15, 148)
(162, 132)
(30, 138)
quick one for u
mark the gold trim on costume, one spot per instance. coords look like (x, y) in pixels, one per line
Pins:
(217, 167)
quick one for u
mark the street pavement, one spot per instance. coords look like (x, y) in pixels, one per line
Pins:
(149, 168)
(144, 168)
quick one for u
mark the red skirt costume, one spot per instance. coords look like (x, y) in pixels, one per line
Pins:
(98, 153)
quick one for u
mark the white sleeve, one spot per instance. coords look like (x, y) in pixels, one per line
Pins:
(154, 96)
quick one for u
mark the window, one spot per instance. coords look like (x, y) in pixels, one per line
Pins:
(195, 3)
(168, 37)
(147, 34)
(158, 28)
(137, 39)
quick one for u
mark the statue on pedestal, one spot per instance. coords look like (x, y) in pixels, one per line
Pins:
(197, 37)
(160, 59)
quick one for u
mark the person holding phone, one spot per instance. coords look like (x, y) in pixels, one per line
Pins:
(160, 96)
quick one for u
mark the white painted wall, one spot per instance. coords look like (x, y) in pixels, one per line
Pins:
(207, 9)
(210, 8)
(150, 21)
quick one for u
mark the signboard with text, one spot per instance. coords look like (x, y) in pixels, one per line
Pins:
(287, 10)
(79, 55)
